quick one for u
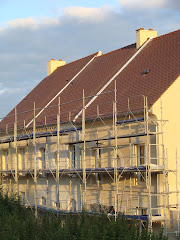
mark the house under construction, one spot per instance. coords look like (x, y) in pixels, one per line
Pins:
(101, 133)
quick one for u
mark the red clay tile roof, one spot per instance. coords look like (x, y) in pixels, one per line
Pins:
(45, 91)
(161, 56)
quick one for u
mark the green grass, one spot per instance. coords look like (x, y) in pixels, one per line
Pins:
(18, 222)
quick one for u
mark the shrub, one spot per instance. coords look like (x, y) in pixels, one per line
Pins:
(18, 222)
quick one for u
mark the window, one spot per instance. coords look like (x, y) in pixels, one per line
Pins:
(93, 158)
(98, 157)
(55, 204)
(140, 154)
(72, 205)
(5, 160)
(54, 163)
(23, 198)
(73, 161)
(41, 158)
(43, 201)
(143, 211)
(99, 177)
(21, 159)
(141, 160)
(119, 164)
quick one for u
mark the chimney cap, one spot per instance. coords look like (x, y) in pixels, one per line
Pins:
(140, 29)
(150, 29)
(52, 59)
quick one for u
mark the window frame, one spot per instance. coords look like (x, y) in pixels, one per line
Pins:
(140, 161)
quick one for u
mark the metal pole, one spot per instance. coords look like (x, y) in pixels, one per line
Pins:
(164, 171)
(84, 152)
(16, 153)
(35, 161)
(46, 162)
(116, 150)
(131, 162)
(149, 170)
(58, 155)
(10, 183)
(98, 191)
(113, 120)
(9, 158)
(70, 187)
(27, 189)
(47, 190)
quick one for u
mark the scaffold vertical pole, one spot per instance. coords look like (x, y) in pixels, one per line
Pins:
(27, 188)
(116, 150)
(164, 169)
(84, 151)
(16, 153)
(148, 168)
(58, 155)
(35, 160)
(113, 120)
(46, 154)
(130, 155)
(10, 157)
(47, 190)
(10, 185)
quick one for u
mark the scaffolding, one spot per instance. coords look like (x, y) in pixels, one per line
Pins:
(131, 178)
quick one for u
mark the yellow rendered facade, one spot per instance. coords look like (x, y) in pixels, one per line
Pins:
(169, 103)
(167, 108)
(53, 65)
(101, 188)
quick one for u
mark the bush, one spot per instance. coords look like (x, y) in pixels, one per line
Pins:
(18, 222)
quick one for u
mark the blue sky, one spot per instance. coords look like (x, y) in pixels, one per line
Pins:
(43, 8)
(33, 32)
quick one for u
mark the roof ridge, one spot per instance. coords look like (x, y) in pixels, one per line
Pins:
(93, 54)
(126, 47)
(167, 34)
(123, 48)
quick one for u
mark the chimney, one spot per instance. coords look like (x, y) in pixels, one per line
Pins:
(99, 54)
(53, 65)
(142, 35)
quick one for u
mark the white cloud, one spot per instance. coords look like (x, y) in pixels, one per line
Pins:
(30, 22)
(139, 4)
(151, 4)
(89, 14)
(49, 21)
(6, 90)
(22, 22)
(2, 91)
